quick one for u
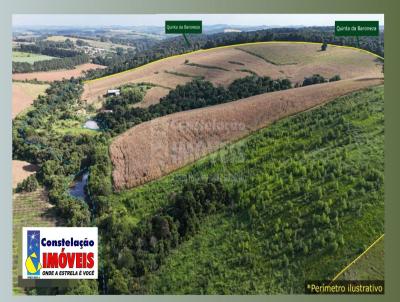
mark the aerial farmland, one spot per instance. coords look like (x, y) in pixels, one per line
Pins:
(243, 162)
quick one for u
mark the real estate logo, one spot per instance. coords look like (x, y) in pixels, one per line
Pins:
(59, 253)
(32, 262)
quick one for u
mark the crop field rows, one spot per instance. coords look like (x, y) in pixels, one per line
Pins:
(216, 66)
(29, 209)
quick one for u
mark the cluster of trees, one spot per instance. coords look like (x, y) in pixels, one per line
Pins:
(29, 184)
(129, 94)
(144, 248)
(53, 64)
(317, 79)
(99, 185)
(253, 85)
(51, 48)
(195, 94)
(81, 43)
(177, 45)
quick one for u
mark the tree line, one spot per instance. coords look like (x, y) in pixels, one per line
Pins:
(318, 79)
(195, 94)
(65, 56)
(50, 48)
(53, 64)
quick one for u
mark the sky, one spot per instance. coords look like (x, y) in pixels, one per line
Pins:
(208, 19)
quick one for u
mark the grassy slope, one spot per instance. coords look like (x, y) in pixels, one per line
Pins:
(280, 54)
(232, 254)
(369, 267)
(33, 90)
(30, 58)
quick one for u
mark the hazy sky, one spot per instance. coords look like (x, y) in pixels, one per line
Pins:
(209, 19)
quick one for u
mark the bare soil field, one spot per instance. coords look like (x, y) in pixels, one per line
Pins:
(21, 170)
(23, 95)
(56, 75)
(277, 60)
(158, 147)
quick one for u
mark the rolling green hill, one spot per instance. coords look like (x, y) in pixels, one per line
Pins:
(306, 199)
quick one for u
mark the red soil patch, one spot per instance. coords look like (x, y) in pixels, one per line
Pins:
(56, 75)
(158, 147)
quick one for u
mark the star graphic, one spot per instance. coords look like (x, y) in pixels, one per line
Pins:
(33, 239)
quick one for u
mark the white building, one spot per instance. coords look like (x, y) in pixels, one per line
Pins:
(113, 92)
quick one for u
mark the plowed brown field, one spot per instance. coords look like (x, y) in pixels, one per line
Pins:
(158, 147)
(56, 75)
(277, 60)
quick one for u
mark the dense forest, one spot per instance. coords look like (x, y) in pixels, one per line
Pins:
(177, 45)
(51, 48)
(249, 218)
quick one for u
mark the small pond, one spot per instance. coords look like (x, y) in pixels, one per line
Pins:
(92, 125)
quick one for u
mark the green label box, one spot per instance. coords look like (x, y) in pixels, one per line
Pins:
(357, 28)
(183, 27)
